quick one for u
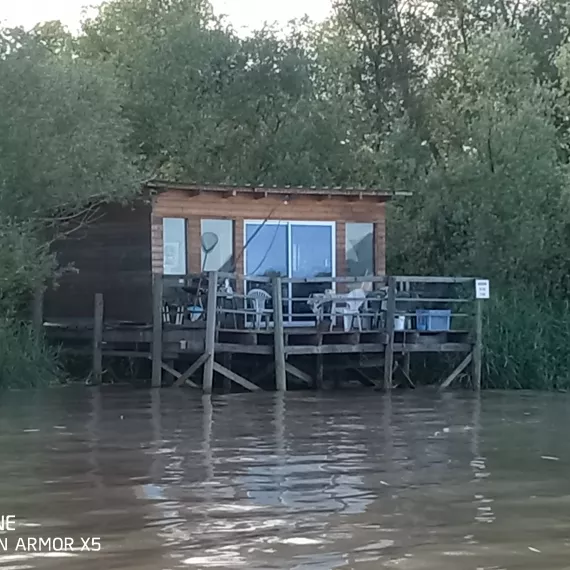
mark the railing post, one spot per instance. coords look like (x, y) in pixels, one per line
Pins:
(279, 338)
(157, 289)
(208, 376)
(477, 361)
(98, 339)
(389, 352)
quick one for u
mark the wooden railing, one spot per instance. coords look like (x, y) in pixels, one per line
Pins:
(408, 301)
(184, 299)
(394, 307)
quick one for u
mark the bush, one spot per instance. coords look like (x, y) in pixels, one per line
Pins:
(25, 360)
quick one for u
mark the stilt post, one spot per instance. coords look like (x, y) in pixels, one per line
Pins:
(407, 364)
(279, 337)
(320, 375)
(98, 339)
(389, 353)
(227, 362)
(157, 289)
(478, 346)
(208, 378)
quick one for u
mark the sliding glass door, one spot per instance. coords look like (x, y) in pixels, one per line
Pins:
(290, 249)
(311, 256)
(266, 249)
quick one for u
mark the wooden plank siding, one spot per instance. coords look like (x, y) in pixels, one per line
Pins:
(241, 207)
(118, 253)
(176, 203)
(380, 246)
(194, 250)
(111, 256)
(156, 243)
(340, 242)
(239, 240)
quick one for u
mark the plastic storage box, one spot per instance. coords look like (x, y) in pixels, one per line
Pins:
(433, 319)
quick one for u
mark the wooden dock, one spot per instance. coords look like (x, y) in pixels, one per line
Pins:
(207, 332)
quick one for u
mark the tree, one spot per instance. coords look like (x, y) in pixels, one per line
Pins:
(61, 151)
(62, 134)
(206, 105)
(494, 124)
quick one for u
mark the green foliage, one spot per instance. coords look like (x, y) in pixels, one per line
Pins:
(62, 133)
(496, 205)
(466, 104)
(62, 150)
(526, 340)
(25, 361)
(25, 264)
(207, 105)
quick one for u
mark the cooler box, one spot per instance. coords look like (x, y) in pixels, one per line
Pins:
(433, 319)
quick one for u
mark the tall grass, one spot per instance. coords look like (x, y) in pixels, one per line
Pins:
(527, 342)
(25, 360)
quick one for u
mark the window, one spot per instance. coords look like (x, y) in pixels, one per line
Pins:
(174, 246)
(359, 249)
(218, 245)
(289, 249)
(300, 250)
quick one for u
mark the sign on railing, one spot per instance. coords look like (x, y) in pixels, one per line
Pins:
(482, 289)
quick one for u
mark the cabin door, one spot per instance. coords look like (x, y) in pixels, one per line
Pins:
(300, 250)
(312, 256)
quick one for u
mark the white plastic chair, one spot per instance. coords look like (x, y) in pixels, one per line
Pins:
(226, 288)
(349, 308)
(258, 299)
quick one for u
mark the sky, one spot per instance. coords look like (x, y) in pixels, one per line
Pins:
(242, 13)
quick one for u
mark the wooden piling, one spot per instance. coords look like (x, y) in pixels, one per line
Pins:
(407, 364)
(320, 376)
(226, 359)
(279, 337)
(168, 377)
(157, 287)
(477, 360)
(98, 339)
(389, 353)
(211, 309)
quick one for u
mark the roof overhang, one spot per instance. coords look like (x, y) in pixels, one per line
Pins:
(261, 191)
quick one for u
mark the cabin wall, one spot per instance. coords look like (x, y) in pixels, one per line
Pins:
(112, 256)
(241, 207)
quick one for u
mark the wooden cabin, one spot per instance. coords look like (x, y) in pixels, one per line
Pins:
(179, 229)
(300, 249)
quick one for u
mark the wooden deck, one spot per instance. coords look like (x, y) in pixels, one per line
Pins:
(195, 352)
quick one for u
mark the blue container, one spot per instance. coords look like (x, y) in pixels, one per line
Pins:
(433, 319)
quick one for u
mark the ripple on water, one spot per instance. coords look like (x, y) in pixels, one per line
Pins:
(339, 481)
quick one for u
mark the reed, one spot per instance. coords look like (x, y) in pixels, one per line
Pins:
(527, 341)
(25, 360)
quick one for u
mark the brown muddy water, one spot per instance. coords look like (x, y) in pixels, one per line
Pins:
(170, 480)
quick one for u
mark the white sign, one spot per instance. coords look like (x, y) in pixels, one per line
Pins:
(482, 290)
(171, 258)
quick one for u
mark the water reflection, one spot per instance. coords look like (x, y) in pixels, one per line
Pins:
(169, 479)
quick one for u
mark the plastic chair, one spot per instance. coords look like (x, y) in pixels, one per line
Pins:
(228, 298)
(258, 299)
(349, 308)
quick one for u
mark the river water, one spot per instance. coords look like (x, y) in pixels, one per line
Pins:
(170, 480)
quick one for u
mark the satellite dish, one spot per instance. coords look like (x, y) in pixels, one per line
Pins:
(209, 242)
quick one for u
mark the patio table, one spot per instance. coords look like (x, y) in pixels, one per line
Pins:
(317, 302)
